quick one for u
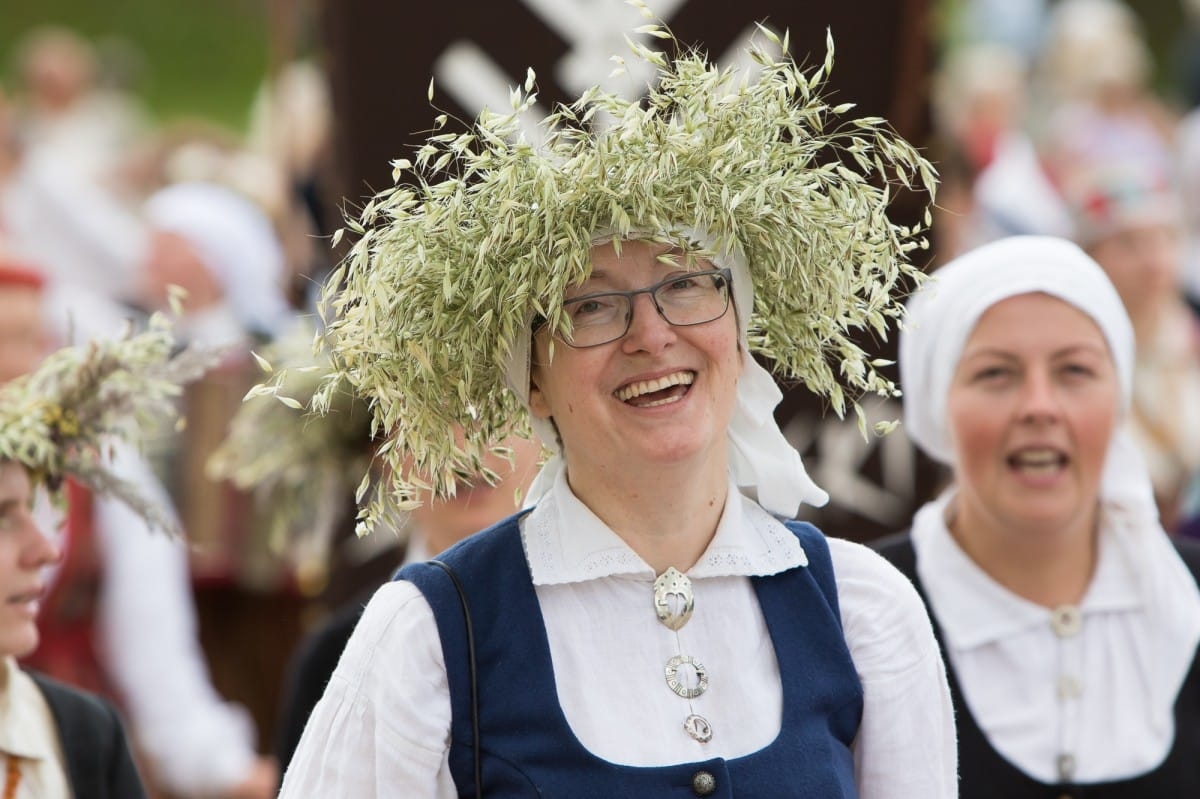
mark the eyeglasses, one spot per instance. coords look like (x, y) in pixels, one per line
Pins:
(690, 298)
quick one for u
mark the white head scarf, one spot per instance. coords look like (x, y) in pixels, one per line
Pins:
(765, 467)
(942, 315)
(236, 241)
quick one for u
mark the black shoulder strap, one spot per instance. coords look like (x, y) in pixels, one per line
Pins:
(466, 609)
(1189, 552)
(898, 549)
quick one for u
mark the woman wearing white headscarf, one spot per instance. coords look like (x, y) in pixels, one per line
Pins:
(653, 626)
(1069, 620)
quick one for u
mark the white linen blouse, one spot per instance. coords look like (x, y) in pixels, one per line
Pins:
(384, 720)
(28, 732)
(1101, 692)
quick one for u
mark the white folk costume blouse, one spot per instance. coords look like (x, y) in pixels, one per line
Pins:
(387, 704)
(1102, 691)
(28, 732)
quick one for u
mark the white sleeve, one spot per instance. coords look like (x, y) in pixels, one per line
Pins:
(197, 743)
(382, 727)
(906, 746)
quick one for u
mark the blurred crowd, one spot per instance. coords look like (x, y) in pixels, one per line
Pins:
(107, 217)
(1046, 120)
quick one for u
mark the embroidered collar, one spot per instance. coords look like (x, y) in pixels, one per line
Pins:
(566, 543)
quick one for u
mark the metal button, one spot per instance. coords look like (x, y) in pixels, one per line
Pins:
(1066, 767)
(1069, 687)
(703, 783)
(1066, 620)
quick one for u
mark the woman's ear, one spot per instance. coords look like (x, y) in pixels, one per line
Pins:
(538, 405)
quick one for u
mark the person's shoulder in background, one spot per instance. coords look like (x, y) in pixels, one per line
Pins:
(308, 673)
(99, 764)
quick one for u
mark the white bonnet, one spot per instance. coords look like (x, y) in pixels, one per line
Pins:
(236, 241)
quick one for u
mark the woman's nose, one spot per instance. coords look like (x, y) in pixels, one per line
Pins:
(648, 330)
(1039, 399)
(41, 550)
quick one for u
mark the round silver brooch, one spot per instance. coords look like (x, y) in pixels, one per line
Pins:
(682, 687)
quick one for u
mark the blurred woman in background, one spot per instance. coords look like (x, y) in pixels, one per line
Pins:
(1069, 619)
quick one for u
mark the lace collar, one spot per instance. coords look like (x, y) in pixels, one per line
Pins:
(566, 543)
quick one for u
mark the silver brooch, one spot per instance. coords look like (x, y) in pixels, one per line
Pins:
(681, 687)
(673, 583)
(698, 727)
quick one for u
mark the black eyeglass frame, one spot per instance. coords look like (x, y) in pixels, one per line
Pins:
(725, 273)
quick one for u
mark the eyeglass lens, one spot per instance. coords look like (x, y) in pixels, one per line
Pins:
(687, 299)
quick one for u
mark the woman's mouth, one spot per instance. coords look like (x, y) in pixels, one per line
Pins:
(1037, 461)
(28, 601)
(659, 391)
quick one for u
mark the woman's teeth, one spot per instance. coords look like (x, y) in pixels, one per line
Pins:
(644, 387)
(1038, 460)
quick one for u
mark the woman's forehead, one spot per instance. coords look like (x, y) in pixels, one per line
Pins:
(14, 482)
(1046, 320)
(614, 263)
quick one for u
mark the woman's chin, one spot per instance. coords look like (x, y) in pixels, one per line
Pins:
(19, 643)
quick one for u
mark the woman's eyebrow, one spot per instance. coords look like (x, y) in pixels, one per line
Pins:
(598, 280)
(1061, 352)
(1080, 348)
(988, 352)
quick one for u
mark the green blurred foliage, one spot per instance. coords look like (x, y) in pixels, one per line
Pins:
(190, 58)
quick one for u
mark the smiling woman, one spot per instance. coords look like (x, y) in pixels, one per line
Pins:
(1032, 358)
(653, 624)
(1069, 620)
(647, 414)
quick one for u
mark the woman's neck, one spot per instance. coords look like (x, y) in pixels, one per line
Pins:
(666, 514)
(1047, 567)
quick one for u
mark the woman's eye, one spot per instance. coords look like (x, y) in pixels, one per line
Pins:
(685, 284)
(591, 309)
(1078, 370)
(991, 373)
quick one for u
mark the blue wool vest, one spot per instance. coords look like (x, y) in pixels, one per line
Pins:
(527, 746)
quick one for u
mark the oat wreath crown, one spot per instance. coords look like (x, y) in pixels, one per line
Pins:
(63, 419)
(483, 231)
